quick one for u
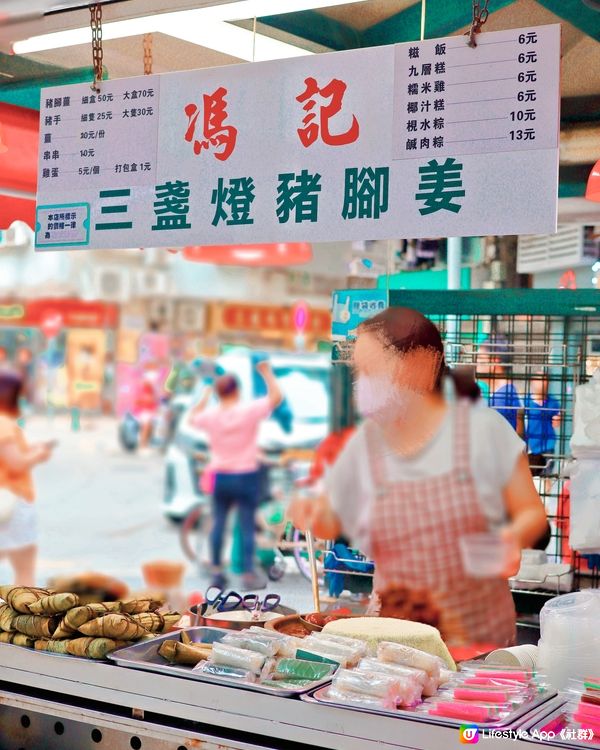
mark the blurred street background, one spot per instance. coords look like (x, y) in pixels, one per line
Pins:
(100, 509)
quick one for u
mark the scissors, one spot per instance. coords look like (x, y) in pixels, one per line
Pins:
(255, 605)
(219, 601)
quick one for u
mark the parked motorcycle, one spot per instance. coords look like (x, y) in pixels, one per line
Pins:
(162, 429)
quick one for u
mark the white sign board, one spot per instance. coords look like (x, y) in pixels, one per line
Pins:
(425, 139)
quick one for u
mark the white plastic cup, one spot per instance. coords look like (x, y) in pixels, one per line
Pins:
(484, 555)
(516, 656)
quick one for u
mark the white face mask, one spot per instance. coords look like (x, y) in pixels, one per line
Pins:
(377, 396)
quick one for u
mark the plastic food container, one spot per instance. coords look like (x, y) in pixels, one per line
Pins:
(570, 642)
(484, 555)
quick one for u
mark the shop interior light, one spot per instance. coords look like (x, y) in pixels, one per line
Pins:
(217, 35)
(592, 191)
(258, 255)
(208, 27)
(241, 9)
(247, 256)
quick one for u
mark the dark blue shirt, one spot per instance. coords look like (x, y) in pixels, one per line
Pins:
(506, 401)
(539, 432)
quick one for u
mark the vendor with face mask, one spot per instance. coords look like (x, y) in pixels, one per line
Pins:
(421, 472)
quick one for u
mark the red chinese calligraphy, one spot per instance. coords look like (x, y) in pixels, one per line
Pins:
(334, 91)
(214, 132)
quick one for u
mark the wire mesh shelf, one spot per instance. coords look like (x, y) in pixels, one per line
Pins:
(539, 359)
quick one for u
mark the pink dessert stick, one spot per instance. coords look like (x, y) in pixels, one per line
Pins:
(453, 710)
(518, 676)
(487, 696)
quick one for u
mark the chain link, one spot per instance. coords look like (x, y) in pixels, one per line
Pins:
(148, 54)
(480, 16)
(97, 53)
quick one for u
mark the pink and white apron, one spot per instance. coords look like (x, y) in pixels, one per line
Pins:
(415, 528)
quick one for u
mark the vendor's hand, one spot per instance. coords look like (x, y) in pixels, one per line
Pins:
(315, 515)
(302, 513)
(201, 404)
(513, 562)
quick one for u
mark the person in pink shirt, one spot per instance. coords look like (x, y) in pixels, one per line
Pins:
(232, 429)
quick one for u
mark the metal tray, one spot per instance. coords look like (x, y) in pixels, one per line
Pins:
(145, 656)
(552, 720)
(320, 696)
(71, 657)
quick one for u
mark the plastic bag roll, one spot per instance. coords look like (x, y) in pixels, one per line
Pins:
(374, 665)
(357, 699)
(219, 670)
(395, 690)
(350, 654)
(396, 653)
(288, 644)
(232, 656)
(252, 642)
(342, 640)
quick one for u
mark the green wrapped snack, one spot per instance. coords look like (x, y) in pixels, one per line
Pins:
(54, 604)
(100, 647)
(35, 626)
(93, 648)
(298, 669)
(155, 622)
(52, 646)
(7, 615)
(137, 606)
(20, 597)
(78, 616)
(114, 625)
(19, 639)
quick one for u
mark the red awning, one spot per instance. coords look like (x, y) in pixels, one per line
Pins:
(16, 209)
(260, 254)
(19, 133)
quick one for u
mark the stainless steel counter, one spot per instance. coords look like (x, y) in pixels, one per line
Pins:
(64, 702)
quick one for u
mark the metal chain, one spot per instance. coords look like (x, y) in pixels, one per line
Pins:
(480, 16)
(97, 53)
(148, 54)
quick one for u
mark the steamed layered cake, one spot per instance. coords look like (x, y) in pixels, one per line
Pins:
(375, 630)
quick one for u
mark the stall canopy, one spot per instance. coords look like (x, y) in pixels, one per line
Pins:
(20, 83)
(265, 254)
(19, 129)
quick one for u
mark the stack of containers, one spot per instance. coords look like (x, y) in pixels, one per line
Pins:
(585, 476)
(569, 646)
(583, 707)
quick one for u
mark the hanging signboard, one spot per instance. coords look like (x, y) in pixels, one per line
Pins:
(424, 139)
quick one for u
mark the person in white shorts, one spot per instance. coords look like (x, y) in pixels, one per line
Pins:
(18, 518)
